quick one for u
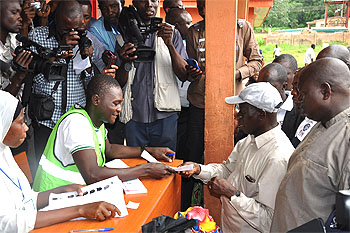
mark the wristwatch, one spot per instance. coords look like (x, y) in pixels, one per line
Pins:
(127, 66)
(238, 193)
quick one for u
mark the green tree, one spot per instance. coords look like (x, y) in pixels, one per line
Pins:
(296, 13)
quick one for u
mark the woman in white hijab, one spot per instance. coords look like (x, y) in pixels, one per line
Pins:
(18, 203)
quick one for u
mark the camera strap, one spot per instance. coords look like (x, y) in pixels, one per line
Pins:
(54, 89)
(64, 91)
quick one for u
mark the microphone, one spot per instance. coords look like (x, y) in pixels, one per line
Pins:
(27, 41)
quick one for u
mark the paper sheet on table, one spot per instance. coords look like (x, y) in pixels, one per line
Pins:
(109, 190)
(134, 186)
(132, 205)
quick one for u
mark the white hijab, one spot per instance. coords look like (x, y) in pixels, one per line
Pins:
(16, 214)
(8, 105)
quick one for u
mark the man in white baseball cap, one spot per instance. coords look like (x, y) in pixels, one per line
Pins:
(247, 182)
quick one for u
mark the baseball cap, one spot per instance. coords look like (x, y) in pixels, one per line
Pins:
(261, 95)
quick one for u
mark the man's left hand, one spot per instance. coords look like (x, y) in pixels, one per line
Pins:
(166, 31)
(220, 186)
(161, 153)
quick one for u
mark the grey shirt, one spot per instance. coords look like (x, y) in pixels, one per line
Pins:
(143, 85)
(318, 168)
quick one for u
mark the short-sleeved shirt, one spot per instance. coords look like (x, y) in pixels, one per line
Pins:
(310, 54)
(143, 85)
(75, 134)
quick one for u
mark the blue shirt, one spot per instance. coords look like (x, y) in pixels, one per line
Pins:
(105, 33)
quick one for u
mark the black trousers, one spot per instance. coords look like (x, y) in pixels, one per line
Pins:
(182, 123)
(194, 151)
(41, 135)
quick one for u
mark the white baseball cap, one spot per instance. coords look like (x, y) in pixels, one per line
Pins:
(262, 95)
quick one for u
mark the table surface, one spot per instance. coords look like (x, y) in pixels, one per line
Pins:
(163, 197)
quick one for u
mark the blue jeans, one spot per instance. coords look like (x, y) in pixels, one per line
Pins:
(161, 133)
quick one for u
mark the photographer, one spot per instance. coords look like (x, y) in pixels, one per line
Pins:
(62, 32)
(151, 100)
(34, 13)
(10, 25)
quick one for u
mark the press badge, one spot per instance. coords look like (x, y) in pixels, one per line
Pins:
(304, 128)
(29, 204)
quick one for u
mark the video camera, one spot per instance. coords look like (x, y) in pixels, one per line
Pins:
(41, 63)
(134, 31)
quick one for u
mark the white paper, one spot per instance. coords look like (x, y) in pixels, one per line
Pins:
(132, 205)
(79, 64)
(188, 167)
(109, 190)
(147, 156)
(134, 186)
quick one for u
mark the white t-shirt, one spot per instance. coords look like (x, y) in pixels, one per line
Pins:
(74, 134)
(277, 51)
(310, 54)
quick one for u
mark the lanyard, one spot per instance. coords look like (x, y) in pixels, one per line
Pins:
(19, 184)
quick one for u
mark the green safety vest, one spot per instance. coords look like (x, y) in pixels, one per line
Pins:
(51, 173)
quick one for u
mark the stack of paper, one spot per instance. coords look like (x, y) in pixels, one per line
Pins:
(109, 190)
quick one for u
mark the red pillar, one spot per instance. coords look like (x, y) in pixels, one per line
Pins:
(94, 8)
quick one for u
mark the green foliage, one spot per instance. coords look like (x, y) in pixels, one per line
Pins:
(298, 51)
(261, 41)
(295, 13)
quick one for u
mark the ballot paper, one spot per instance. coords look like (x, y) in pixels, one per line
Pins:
(188, 167)
(134, 186)
(109, 190)
(147, 156)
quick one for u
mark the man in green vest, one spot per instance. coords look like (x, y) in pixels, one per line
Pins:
(78, 147)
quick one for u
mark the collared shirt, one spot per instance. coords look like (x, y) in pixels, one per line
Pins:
(255, 167)
(143, 86)
(6, 51)
(75, 84)
(310, 54)
(105, 33)
(246, 47)
(318, 168)
(285, 107)
(195, 46)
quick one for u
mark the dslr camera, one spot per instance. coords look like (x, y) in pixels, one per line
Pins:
(84, 42)
(41, 63)
(134, 31)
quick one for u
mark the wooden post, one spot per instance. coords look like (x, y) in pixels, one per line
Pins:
(220, 61)
(242, 10)
(325, 18)
(347, 15)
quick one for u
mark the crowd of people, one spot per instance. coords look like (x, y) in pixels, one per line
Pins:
(110, 91)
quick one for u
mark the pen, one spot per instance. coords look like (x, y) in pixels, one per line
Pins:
(171, 155)
(90, 230)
